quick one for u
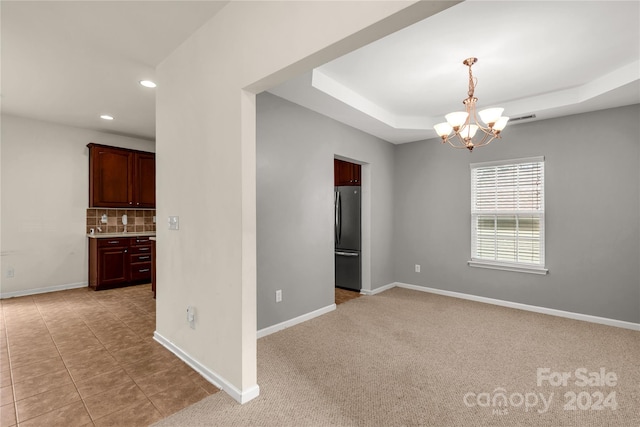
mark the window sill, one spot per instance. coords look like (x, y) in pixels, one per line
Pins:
(508, 267)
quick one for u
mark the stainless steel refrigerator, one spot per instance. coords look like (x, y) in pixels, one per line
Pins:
(347, 237)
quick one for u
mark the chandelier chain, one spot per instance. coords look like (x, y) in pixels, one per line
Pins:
(472, 83)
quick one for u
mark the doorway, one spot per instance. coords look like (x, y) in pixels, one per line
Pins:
(347, 229)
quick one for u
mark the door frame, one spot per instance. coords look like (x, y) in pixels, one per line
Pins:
(365, 220)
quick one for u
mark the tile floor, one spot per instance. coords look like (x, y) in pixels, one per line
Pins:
(344, 295)
(86, 358)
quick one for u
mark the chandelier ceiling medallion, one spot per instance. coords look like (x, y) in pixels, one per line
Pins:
(465, 124)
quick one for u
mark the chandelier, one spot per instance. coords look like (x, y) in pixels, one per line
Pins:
(465, 124)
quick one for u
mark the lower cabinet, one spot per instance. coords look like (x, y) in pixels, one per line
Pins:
(112, 262)
(153, 267)
(140, 259)
(115, 262)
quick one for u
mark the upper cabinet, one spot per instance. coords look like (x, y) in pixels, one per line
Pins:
(121, 178)
(145, 180)
(346, 173)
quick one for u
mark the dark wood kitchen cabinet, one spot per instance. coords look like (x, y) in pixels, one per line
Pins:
(140, 259)
(346, 173)
(153, 267)
(108, 262)
(144, 188)
(121, 178)
(115, 262)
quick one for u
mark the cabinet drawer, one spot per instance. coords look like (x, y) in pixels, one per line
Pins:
(113, 243)
(141, 249)
(141, 271)
(143, 257)
(142, 240)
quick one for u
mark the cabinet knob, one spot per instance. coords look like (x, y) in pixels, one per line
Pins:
(138, 203)
(130, 203)
(126, 250)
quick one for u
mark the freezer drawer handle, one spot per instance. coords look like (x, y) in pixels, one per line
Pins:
(346, 253)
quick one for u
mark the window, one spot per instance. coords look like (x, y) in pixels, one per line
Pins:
(507, 215)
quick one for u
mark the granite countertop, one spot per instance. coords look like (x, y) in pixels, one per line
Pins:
(112, 235)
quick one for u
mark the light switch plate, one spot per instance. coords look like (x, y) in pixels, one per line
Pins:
(174, 223)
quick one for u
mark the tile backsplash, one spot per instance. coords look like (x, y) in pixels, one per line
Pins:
(138, 220)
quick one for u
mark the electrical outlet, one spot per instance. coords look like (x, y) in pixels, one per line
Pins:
(11, 273)
(279, 295)
(417, 268)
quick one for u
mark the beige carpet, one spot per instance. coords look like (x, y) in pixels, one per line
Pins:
(407, 358)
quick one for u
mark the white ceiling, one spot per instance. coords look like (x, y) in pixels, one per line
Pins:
(547, 58)
(69, 62)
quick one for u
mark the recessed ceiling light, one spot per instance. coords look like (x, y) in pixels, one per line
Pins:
(147, 83)
(106, 117)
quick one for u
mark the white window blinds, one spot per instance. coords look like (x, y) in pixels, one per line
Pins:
(507, 211)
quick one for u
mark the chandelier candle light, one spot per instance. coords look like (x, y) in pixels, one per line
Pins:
(465, 124)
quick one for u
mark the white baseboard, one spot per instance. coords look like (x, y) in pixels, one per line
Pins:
(377, 290)
(526, 307)
(48, 289)
(291, 322)
(212, 377)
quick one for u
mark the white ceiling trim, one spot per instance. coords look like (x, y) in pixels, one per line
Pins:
(331, 87)
(335, 89)
(597, 87)
(608, 82)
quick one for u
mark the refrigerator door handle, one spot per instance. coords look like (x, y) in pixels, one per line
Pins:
(338, 218)
(352, 254)
(335, 217)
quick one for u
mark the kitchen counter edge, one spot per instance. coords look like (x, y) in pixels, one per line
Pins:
(112, 235)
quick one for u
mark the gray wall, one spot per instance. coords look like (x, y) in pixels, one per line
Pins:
(592, 186)
(295, 152)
